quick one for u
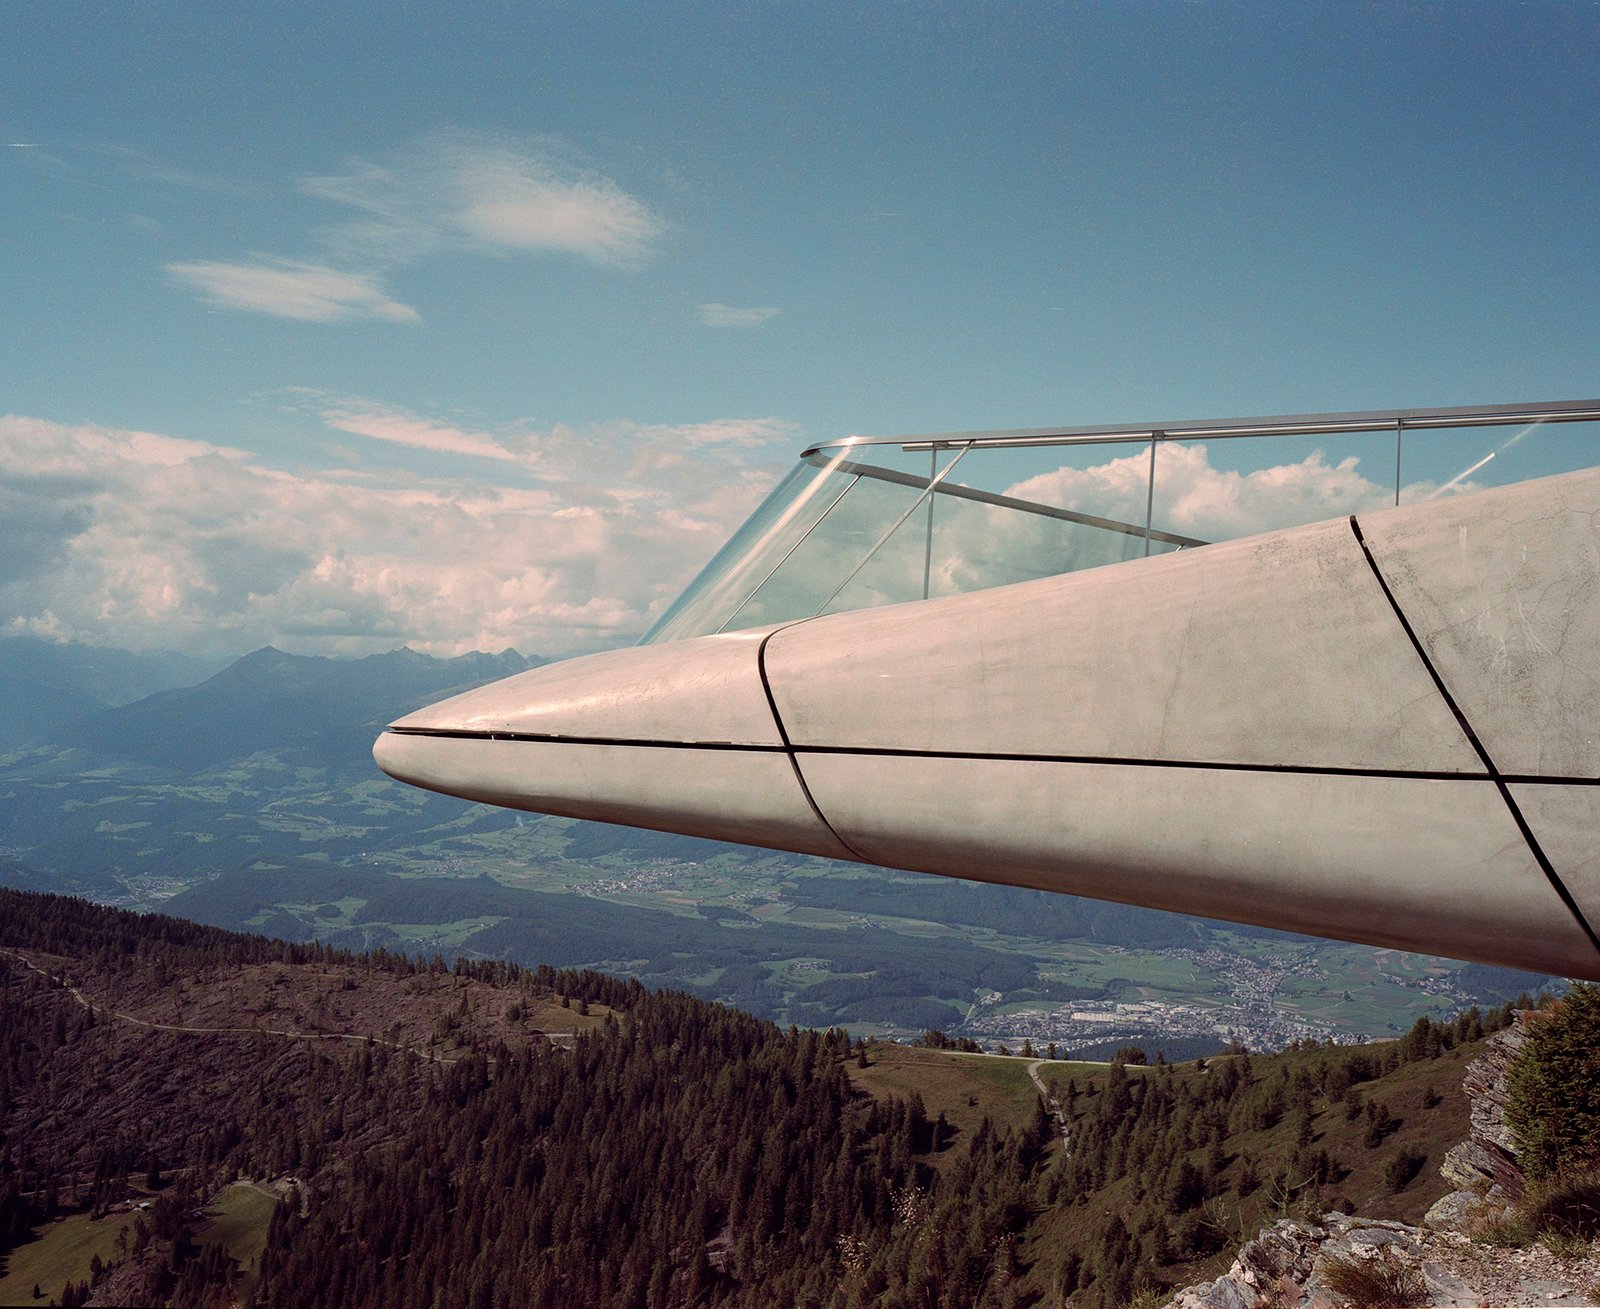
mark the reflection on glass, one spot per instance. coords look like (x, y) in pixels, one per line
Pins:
(873, 525)
(809, 575)
(981, 541)
(887, 575)
(1435, 463)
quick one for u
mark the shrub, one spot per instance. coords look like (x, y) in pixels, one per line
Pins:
(1195, 1238)
(1553, 1088)
(1399, 1171)
(1186, 1187)
(1561, 1213)
(1385, 1281)
(1381, 1124)
(1564, 1245)
(1508, 1233)
(1566, 1207)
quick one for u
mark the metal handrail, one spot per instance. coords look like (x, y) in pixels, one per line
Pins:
(1376, 420)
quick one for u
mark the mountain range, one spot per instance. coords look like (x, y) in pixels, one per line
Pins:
(46, 684)
(311, 712)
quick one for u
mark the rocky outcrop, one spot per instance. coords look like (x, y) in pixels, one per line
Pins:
(1484, 1167)
(1295, 1265)
(1319, 1265)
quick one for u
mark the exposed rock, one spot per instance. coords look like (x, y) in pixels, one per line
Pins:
(1484, 1083)
(1464, 1211)
(1484, 1168)
(1287, 1265)
(1473, 1166)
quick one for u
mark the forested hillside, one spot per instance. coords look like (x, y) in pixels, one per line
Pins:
(411, 1134)
(679, 1153)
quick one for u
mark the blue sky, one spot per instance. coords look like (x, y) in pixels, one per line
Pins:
(478, 325)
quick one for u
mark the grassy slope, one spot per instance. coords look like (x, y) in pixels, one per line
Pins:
(241, 1214)
(61, 1254)
(965, 1088)
(548, 1015)
(1429, 1131)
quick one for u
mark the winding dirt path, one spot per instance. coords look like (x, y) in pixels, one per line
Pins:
(1051, 1103)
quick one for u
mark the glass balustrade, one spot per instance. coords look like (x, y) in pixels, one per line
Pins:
(868, 522)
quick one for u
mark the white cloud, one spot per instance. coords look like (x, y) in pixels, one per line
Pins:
(622, 454)
(385, 423)
(487, 194)
(462, 191)
(522, 203)
(292, 288)
(719, 315)
(1195, 498)
(148, 541)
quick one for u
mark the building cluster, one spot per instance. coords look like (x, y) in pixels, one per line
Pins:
(643, 878)
(1252, 1016)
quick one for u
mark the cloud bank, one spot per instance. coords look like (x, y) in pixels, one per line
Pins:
(1195, 498)
(147, 541)
(563, 539)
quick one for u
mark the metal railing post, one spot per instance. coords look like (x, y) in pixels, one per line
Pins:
(1150, 493)
(1399, 431)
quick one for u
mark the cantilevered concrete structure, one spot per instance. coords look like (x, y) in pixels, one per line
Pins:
(1026, 657)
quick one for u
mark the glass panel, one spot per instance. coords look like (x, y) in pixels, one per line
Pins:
(892, 574)
(1220, 488)
(1435, 463)
(979, 543)
(842, 541)
(804, 542)
(767, 537)
(976, 532)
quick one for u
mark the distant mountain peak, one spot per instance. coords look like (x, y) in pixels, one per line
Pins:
(45, 683)
(312, 710)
